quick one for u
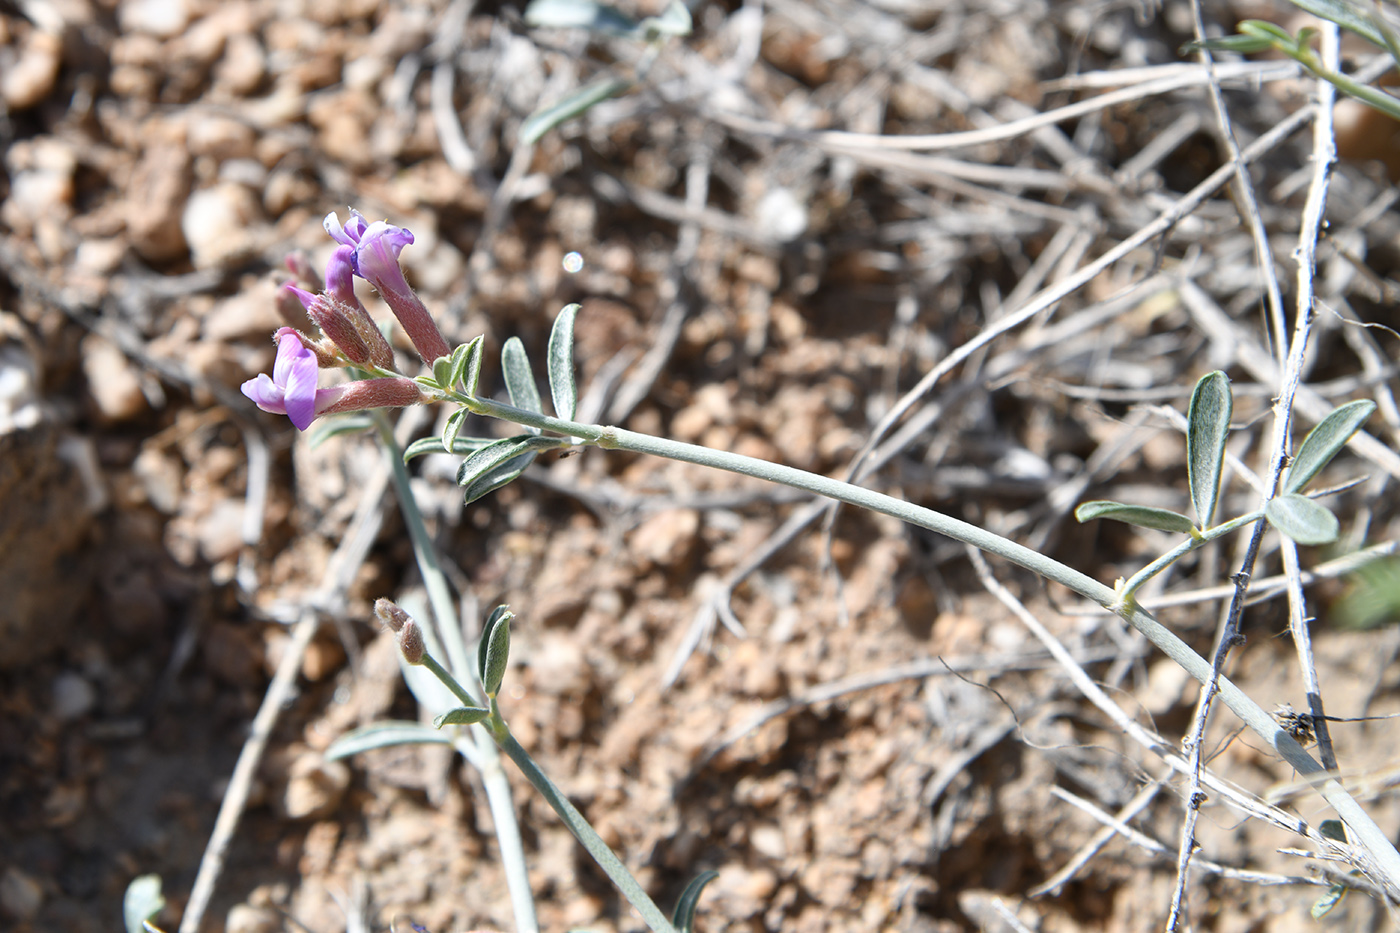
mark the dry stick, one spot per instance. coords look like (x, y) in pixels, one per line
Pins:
(1113, 824)
(1172, 81)
(1314, 210)
(1313, 213)
(1046, 299)
(1255, 360)
(1150, 741)
(1263, 253)
(344, 563)
(1141, 800)
(914, 670)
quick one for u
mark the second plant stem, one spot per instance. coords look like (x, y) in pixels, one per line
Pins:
(1363, 828)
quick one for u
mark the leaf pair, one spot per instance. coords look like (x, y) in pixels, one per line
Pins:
(1208, 424)
(493, 464)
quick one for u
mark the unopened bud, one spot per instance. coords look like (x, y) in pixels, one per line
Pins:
(411, 642)
(391, 614)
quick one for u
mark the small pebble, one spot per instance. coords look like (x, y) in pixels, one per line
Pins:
(244, 918)
(73, 696)
(21, 895)
(114, 383)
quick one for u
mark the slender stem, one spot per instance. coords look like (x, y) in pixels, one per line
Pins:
(450, 682)
(1363, 828)
(1136, 581)
(486, 759)
(583, 832)
(1377, 98)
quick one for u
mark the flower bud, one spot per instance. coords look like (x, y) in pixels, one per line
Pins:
(391, 614)
(411, 642)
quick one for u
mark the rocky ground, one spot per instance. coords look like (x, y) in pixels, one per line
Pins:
(841, 719)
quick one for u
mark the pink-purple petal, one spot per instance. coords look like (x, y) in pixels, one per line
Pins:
(264, 393)
(340, 273)
(299, 392)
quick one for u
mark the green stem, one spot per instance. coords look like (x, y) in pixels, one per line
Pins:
(1363, 828)
(1377, 98)
(1135, 582)
(578, 825)
(486, 759)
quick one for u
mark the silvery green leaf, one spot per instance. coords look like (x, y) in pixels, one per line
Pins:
(442, 372)
(1281, 38)
(1147, 517)
(560, 363)
(1302, 519)
(495, 654)
(142, 901)
(1325, 441)
(469, 373)
(498, 615)
(579, 14)
(433, 445)
(520, 378)
(500, 462)
(1244, 45)
(1348, 15)
(382, 735)
(452, 427)
(1208, 424)
(462, 716)
(334, 427)
(684, 918)
(547, 118)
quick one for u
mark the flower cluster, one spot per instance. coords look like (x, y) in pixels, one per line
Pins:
(370, 251)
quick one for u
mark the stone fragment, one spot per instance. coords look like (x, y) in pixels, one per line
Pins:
(315, 787)
(30, 79)
(73, 696)
(666, 539)
(115, 384)
(160, 18)
(219, 224)
(21, 894)
(245, 918)
(159, 186)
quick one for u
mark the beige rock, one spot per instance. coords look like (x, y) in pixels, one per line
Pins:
(666, 539)
(245, 918)
(220, 136)
(21, 894)
(114, 382)
(243, 65)
(30, 79)
(221, 224)
(159, 186)
(315, 787)
(161, 18)
(250, 314)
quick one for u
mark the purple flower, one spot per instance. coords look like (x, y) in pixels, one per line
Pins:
(292, 389)
(375, 258)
